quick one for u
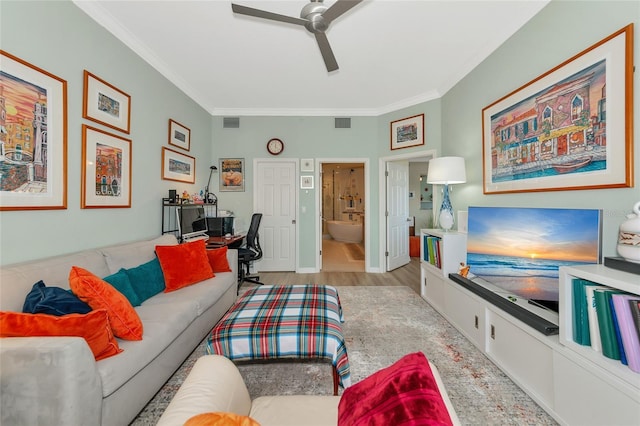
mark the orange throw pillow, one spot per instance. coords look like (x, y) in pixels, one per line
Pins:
(218, 259)
(99, 294)
(93, 327)
(220, 419)
(184, 264)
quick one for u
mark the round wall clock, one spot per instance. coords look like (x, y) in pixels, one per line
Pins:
(275, 146)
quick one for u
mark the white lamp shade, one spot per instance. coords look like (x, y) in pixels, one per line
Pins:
(446, 170)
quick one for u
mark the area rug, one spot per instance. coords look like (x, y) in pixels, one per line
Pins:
(382, 324)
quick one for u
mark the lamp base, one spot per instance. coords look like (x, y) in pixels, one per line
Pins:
(445, 217)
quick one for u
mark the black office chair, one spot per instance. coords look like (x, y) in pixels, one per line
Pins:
(250, 252)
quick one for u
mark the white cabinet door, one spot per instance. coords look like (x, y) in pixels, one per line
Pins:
(466, 313)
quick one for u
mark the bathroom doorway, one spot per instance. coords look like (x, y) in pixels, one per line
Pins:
(343, 217)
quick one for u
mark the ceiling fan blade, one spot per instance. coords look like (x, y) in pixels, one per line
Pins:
(327, 53)
(338, 8)
(244, 10)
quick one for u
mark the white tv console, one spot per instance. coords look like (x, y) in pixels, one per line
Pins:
(574, 384)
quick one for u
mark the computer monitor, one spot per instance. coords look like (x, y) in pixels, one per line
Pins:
(220, 226)
(192, 221)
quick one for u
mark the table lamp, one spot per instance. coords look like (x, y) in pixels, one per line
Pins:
(446, 171)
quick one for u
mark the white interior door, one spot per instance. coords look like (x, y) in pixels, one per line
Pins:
(397, 214)
(275, 198)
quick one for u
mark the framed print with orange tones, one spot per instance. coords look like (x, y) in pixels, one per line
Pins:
(407, 132)
(33, 137)
(104, 103)
(106, 170)
(571, 128)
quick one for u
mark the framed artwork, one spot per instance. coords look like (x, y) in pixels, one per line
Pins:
(106, 170)
(407, 132)
(177, 166)
(232, 174)
(105, 103)
(179, 135)
(33, 137)
(306, 182)
(306, 165)
(568, 129)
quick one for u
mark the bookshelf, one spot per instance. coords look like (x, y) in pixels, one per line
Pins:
(440, 254)
(611, 385)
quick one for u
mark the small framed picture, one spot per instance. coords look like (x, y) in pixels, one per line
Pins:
(105, 103)
(106, 170)
(306, 165)
(178, 166)
(232, 174)
(407, 132)
(306, 182)
(179, 135)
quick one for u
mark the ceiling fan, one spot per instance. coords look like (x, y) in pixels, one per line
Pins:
(315, 17)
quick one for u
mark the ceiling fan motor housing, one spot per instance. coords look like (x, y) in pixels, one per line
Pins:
(313, 13)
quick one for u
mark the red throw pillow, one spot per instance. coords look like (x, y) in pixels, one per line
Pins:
(184, 264)
(99, 294)
(405, 393)
(218, 259)
(93, 327)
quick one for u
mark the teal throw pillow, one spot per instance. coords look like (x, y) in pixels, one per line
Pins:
(120, 281)
(147, 279)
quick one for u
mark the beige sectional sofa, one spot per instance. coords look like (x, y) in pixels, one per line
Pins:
(56, 380)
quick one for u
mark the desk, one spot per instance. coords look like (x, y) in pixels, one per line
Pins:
(233, 241)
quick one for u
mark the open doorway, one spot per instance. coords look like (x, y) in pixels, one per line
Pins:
(419, 214)
(343, 217)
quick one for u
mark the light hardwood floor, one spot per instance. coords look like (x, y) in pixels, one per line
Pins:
(408, 275)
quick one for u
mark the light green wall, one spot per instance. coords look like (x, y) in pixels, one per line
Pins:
(59, 38)
(559, 31)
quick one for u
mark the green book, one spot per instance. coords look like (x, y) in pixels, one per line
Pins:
(581, 330)
(610, 347)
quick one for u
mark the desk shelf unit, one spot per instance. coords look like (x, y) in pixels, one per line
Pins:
(170, 216)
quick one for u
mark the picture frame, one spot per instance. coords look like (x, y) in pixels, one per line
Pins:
(306, 182)
(179, 135)
(106, 170)
(232, 174)
(177, 166)
(36, 179)
(407, 132)
(306, 165)
(105, 104)
(569, 128)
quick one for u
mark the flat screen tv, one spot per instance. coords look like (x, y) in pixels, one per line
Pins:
(520, 250)
(191, 221)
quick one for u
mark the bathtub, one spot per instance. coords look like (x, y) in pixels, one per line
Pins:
(348, 232)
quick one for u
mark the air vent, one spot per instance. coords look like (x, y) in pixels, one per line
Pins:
(231, 122)
(343, 123)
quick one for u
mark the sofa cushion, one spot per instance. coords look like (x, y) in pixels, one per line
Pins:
(53, 301)
(162, 325)
(99, 294)
(133, 254)
(93, 327)
(407, 391)
(147, 279)
(120, 281)
(184, 264)
(220, 419)
(218, 259)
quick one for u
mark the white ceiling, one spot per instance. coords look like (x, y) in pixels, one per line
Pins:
(392, 53)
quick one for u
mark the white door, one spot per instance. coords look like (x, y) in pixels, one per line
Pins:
(275, 198)
(397, 214)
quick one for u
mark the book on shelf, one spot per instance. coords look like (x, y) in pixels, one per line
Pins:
(592, 316)
(581, 329)
(608, 339)
(635, 312)
(616, 329)
(432, 247)
(627, 326)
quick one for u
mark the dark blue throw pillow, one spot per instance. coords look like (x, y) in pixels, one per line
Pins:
(53, 301)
